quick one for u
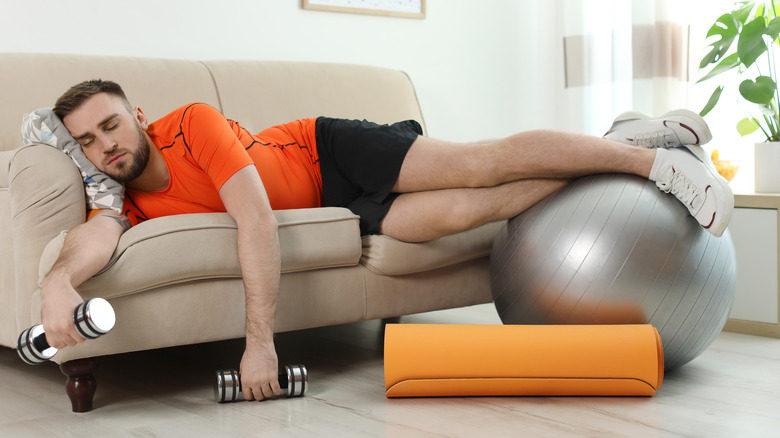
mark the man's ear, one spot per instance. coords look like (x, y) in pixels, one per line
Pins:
(141, 118)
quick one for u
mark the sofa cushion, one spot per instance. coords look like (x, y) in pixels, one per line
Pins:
(387, 256)
(177, 249)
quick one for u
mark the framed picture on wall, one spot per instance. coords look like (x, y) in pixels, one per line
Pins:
(392, 8)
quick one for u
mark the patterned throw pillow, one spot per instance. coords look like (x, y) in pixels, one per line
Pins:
(42, 126)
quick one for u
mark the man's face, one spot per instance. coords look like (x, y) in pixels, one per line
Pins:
(112, 137)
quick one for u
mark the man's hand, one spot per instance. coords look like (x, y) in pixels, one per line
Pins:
(58, 301)
(259, 372)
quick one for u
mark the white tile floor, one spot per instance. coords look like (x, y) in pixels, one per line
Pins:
(732, 390)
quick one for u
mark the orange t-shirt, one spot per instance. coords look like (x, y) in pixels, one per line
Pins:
(203, 149)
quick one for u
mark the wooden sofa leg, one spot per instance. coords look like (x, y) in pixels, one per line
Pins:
(81, 384)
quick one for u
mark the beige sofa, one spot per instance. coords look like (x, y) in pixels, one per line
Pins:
(176, 280)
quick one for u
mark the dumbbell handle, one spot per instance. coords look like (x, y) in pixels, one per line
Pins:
(294, 381)
(92, 318)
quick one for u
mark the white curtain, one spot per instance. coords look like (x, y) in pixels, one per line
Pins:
(622, 55)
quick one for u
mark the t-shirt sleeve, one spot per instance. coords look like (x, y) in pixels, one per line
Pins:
(213, 143)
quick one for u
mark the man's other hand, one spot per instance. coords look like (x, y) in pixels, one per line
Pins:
(260, 372)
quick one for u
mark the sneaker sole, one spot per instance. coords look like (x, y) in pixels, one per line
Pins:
(699, 153)
(729, 203)
(636, 115)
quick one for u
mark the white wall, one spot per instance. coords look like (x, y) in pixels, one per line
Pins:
(481, 68)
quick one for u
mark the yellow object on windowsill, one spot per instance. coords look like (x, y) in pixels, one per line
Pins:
(726, 168)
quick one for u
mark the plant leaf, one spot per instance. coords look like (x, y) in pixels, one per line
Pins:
(751, 42)
(727, 28)
(748, 125)
(726, 64)
(773, 28)
(712, 101)
(743, 12)
(760, 91)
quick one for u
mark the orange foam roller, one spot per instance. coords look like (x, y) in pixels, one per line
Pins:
(440, 360)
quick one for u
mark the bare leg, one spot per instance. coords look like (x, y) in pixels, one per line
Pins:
(434, 164)
(450, 187)
(421, 216)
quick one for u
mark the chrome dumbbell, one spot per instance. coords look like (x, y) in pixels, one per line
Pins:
(294, 382)
(93, 318)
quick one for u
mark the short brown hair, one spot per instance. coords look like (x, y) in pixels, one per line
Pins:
(79, 93)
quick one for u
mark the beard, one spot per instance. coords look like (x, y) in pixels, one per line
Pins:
(130, 169)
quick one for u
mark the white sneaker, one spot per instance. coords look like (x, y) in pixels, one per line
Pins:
(698, 186)
(673, 129)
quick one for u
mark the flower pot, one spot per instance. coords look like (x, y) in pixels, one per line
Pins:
(767, 171)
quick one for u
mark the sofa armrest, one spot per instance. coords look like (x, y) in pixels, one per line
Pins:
(45, 196)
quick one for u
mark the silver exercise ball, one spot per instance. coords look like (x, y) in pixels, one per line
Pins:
(613, 249)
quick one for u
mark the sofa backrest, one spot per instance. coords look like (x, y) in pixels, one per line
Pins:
(32, 81)
(263, 94)
(258, 94)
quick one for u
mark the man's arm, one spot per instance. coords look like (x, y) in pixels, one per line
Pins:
(246, 201)
(87, 249)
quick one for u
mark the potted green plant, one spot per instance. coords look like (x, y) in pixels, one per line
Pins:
(744, 40)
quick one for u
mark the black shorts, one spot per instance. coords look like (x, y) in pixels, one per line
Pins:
(360, 162)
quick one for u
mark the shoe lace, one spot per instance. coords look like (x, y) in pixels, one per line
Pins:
(657, 139)
(683, 189)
